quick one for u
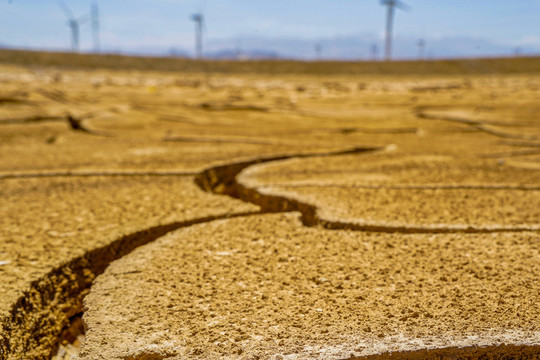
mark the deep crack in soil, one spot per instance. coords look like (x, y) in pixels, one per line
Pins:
(44, 311)
(222, 180)
(41, 315)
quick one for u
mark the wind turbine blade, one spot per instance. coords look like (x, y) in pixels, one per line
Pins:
(66, 10)
(95, 11)
(402, 6)
(202, 9)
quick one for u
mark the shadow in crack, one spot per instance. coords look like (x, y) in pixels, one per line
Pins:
(501, 352)
(44, 311)
(222, 180)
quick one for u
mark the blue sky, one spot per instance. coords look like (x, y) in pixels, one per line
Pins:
(159, 25)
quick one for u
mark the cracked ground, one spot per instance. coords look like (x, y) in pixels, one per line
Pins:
(221, 216)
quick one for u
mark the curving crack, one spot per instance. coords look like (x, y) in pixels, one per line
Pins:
(501, 352)
(40, 315)
(218, 140)
(12, 100)
(32, 119)
(74, 123)
(387, 131)
(503, 134)
(438, 88)
(521, 144)
(351, 130)
(209, 106)
(421, 112)
(223, 180)
(414, 187)
(513, 154)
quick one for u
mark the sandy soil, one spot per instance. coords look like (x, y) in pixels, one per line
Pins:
(94, 164)
(267, 287)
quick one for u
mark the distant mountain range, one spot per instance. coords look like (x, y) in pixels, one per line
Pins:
(359, 47)
(364, 47)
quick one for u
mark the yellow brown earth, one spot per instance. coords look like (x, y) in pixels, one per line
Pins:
(268, 210)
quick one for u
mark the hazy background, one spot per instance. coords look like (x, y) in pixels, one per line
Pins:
(345, 29)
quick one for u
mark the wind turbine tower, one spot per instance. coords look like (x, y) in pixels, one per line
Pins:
(199, 24)
(392, 5)
(421, 48)
(318, 51)
(95, 25)
(74, 24)
(374, 51)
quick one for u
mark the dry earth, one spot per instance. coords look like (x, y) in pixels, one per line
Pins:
(411, 215)
(267, 287)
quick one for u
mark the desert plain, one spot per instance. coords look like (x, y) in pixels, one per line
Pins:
(268, 210)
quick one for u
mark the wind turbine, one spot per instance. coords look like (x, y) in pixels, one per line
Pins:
(392, 4)
(421, 47)
(374, 51)
(198, 18)
(95, 25)
(74, 24)
(318, 51)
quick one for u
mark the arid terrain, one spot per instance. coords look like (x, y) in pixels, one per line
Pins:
(172, 209)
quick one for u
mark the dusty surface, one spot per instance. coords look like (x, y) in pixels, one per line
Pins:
(456, 152)
(268, 287)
